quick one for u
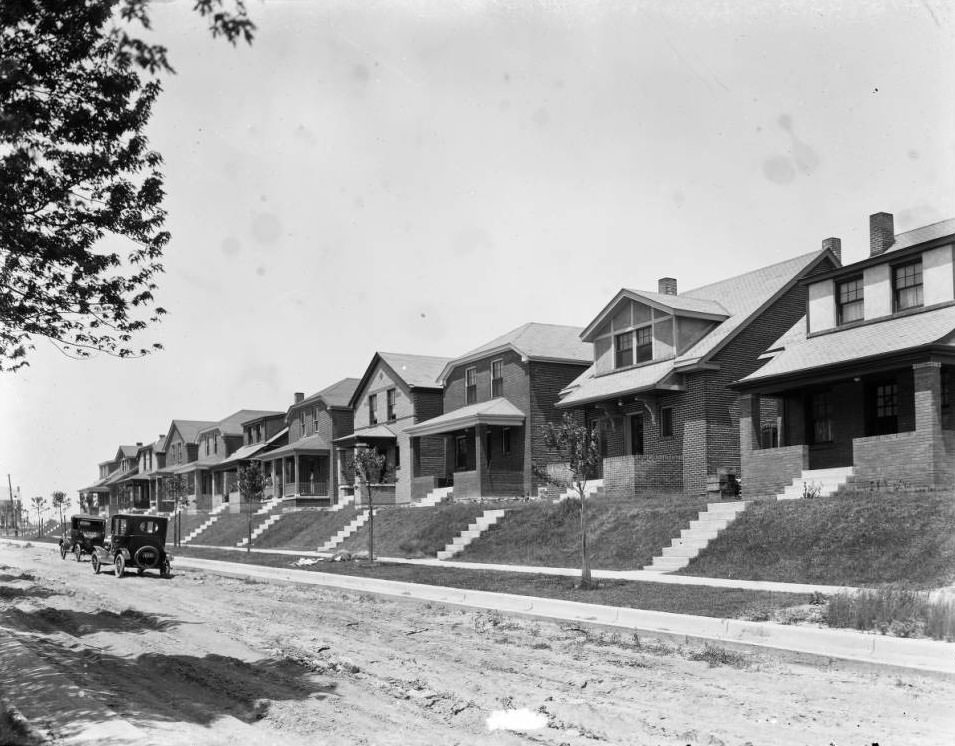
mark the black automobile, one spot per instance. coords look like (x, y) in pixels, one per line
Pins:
(85, 533)
(136, 542)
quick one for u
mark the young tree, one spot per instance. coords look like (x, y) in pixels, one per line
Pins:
(59, 502)
(176, 489)
(40, 506)
(251, 488)
(579, 446)
(77, 87)
(367, 463)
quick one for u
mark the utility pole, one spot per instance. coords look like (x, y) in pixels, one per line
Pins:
(13, 506)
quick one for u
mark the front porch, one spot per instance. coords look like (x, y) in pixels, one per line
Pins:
(303, 478)
(894, 427)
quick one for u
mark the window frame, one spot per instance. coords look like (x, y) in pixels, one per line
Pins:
(855, 303)
(497, 383)
(666, 422)
(619, 349)
(645, 346)
(898, 289)
(505, 441)
(470, 385)
(390, 397)
(372, 409)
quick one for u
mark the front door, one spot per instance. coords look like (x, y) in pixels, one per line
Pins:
(636, 435)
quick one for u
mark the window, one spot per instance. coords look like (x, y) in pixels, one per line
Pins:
(506, 441)
(461, 452)
(666, 422)
(849, 303)
(907, 286)
(215, 444)
(644, 344)
(821, 417)
(390, 401)
(623, 350)
(301, 423)
(885, 403)
(207, 445)
(470, 385)
(497, 378)
(372, 409)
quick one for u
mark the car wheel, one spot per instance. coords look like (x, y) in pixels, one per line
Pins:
(95, 561)
(78, 553)
(62, 551)
(119, 565)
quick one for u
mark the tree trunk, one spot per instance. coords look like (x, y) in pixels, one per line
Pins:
(248, 547)
(371, 525)
(585, 579)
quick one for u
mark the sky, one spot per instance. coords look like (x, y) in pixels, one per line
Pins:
(421, 177)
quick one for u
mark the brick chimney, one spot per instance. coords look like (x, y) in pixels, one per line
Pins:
(666, 286)
(299, 397)
(881, 233)
(138, 443)
(834, 245)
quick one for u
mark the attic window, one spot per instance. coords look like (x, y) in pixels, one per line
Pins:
(849, 301)
(623, 350)
(907, 285)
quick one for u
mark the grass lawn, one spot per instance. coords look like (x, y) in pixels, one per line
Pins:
(227, 530)
(415, 532)
(622, 535)
(306, 529)
(867, 539)
(713, 602)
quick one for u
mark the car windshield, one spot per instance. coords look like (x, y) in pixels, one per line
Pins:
(89, 525)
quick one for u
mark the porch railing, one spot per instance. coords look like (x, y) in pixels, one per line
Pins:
(307, 489)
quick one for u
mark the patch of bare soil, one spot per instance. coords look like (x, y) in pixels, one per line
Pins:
(207, 659)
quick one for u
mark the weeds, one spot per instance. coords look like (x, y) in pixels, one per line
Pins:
(893, 611)
(717, 656)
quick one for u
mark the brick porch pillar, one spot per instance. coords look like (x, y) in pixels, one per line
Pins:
(928, 422)
(749, 419)
(479, 456)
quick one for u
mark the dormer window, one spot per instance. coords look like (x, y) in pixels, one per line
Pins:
(644, 344)
(907, 286)
(849, 301)
(633, 347)
(623, 350)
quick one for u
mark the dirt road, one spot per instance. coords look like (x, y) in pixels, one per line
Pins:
(213, 660)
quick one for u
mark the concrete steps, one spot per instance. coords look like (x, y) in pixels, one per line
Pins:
(437, 495)
(344, 501)
(693, 539)
(264, 526)
(594, 488)
(824, 482)
(213, 517)
(473, 531)
(351, 528)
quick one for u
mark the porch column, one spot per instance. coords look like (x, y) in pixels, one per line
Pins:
(295, 474)
(928, 424)
(749, 419)
(479, 455)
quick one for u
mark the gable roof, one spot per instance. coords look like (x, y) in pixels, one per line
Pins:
(498, 411)
(232, 425)
(337, 395)
(923, 234)
(743, 298)
(126, 452)
(188, 429)
(532, 341)
(416, 371)
(798, 353)
(679, 305)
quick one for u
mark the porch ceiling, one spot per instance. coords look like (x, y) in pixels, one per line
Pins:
(313, 444)
(494, 412)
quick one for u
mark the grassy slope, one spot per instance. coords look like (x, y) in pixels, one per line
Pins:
(307, 529)
(853, 540)
(713, 602)
(228, 529)
(415, 532)
(621, 535)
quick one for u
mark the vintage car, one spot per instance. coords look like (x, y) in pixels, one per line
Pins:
(136, 542)
(85, 533)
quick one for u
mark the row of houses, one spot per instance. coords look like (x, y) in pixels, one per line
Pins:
(781, 372)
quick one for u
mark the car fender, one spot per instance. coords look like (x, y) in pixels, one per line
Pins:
(126, 555)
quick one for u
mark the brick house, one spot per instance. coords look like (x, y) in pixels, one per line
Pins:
(122, 482)
(307, 471)
(658, 386)
(151, 459)
(396, 392)
(496, 398)
(863, 382)
(266, 431)
(182, 451)
(95, 497)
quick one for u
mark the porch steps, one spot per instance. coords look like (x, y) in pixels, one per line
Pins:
(342, 502)
(827, 481)
(473, 531)
(594, 488)
(351, 528)
(213, 517)
(437, 495)
(270, 520)
(268, 505)
(697, 536)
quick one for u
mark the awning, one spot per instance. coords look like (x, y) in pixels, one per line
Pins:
(376, 432)
(494, 412)
(310, 445)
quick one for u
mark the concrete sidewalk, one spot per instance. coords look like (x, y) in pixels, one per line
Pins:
(570, 572)
(922, 656)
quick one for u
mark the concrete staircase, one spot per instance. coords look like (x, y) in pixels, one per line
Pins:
(270, 520)
(824, 482)
(694, 539)
(342, 503)
(482, 524)
(594, 488)
(213, 517)
(437, 495)
(351, 528)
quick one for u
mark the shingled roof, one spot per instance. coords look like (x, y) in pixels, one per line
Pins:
(336, 395)
(417, 371)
